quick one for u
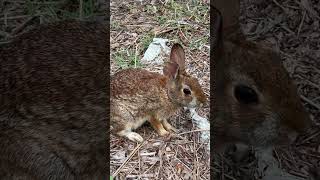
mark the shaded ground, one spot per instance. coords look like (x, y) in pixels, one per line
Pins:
(17, 17)
(133, 26)
(292, 28)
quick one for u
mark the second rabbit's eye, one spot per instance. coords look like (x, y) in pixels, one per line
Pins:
(245, 94)
(186, 91)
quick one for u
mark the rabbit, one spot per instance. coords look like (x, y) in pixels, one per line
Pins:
(255, 101)
(53, 110)
(138, 95)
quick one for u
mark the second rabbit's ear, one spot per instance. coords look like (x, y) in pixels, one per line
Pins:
(171, 70)
(216, 33)
(230, 11)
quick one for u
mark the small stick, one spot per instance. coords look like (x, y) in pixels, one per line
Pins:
(309, 82)
(276, 2)
(128, 159)
(310, 102)
(302, 20)
(308, 138)
(197, 130)
(139, 25)
(165, 31)
(23, 25)
(6, 18)
(80, 9)
(115, 38)
(278, 158)
(161, 161)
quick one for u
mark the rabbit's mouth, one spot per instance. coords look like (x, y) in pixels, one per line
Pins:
(194, 103)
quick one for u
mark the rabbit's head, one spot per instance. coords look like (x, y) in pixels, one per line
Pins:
(256, 102)
(183, 89)
(255, 95)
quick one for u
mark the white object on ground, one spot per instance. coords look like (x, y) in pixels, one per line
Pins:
(273, 171)
(201, 123)
(154, 52)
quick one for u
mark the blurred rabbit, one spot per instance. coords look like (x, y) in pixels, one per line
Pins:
(53, 110)
(138, 96)
(255, 101)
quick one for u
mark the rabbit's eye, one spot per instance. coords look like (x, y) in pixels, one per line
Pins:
(186, 91)
(245, 94)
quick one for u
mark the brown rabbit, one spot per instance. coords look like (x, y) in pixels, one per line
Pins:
(53, 110)
(138, 96)
(255, 101)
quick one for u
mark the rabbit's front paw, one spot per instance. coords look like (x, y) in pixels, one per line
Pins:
(163, 132)
(169, 127)
(158, 126)
(134, 137)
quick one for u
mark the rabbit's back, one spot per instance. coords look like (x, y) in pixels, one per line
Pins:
(139, 89)
(135, 81)
(138, 93)
(53, 102)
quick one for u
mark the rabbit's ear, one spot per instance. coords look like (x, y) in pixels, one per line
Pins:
(230, 11)
(171, 70)
(177, 56)
(216, 34)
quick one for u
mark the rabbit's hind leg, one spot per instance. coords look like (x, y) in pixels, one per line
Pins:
(133, 136)
(158, 126)
(123, 123)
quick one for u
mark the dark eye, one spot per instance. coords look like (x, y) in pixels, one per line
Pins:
(186, 91)
(245, 94)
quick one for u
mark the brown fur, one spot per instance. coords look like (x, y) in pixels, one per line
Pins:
(53, 106)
